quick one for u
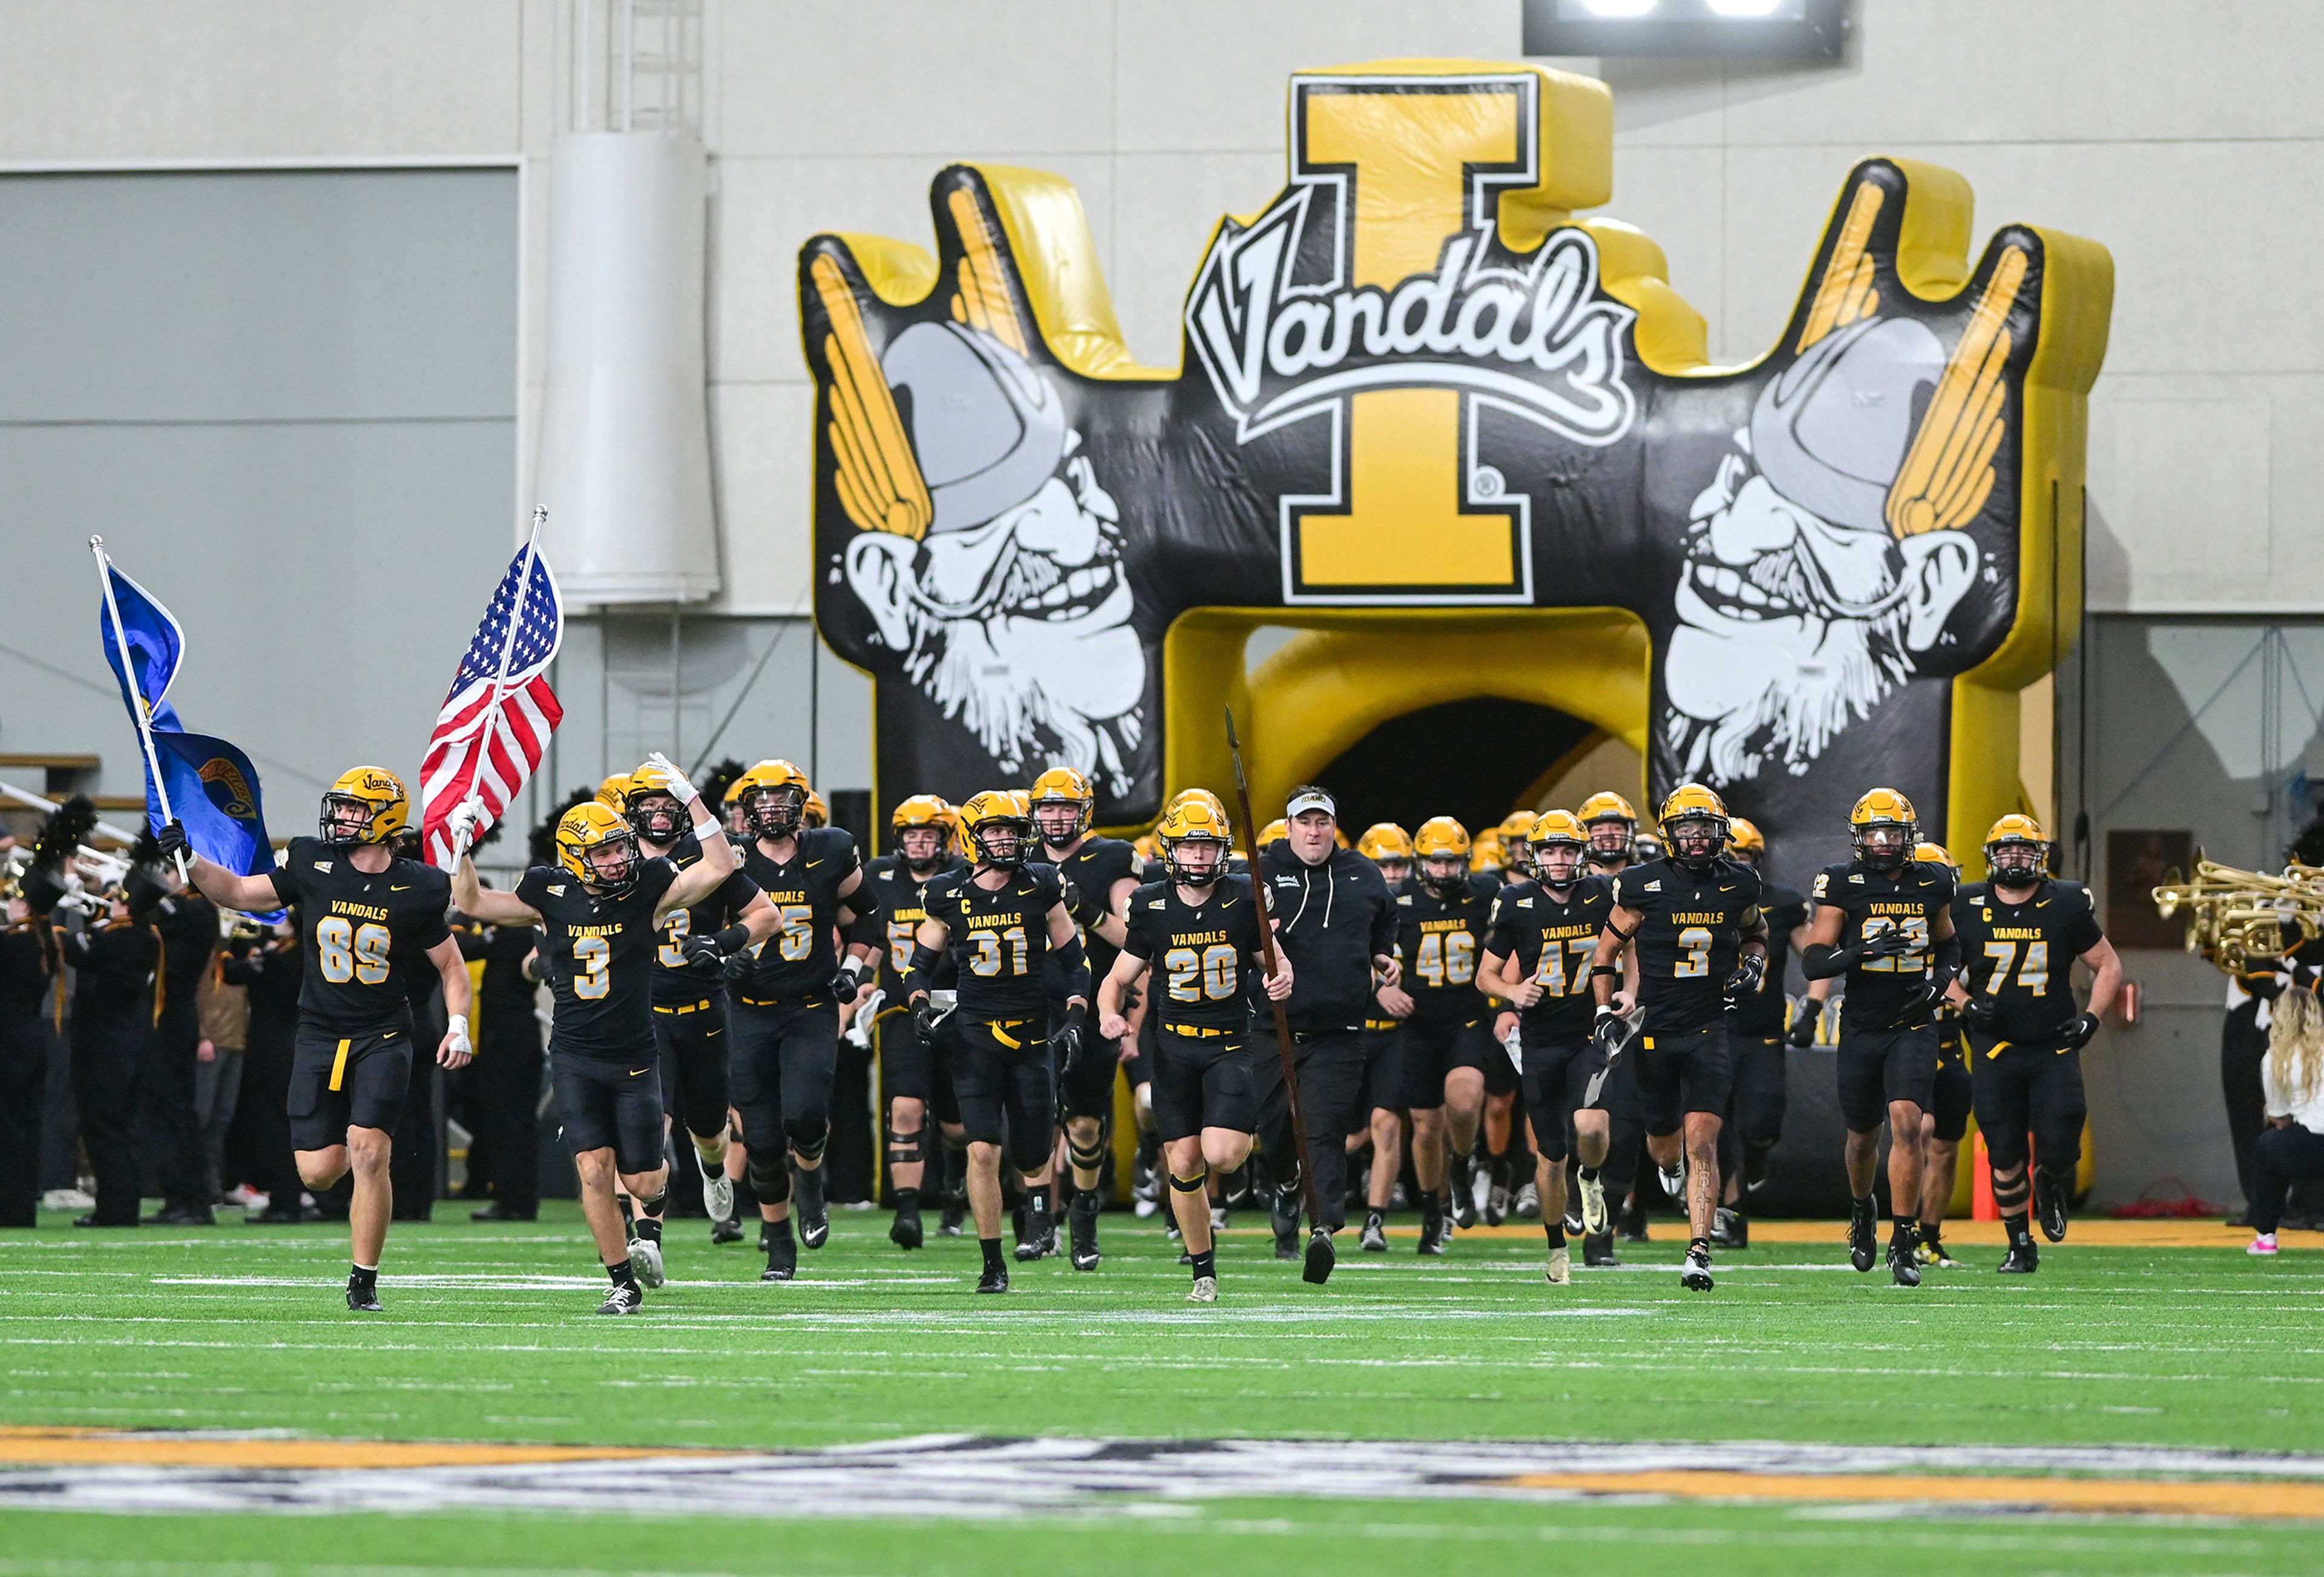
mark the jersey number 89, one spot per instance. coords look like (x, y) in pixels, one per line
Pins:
(349, 952)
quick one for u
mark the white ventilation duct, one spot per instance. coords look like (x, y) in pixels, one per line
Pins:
(624, 468)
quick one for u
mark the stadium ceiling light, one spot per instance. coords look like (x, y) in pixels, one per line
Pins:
(1802, 30)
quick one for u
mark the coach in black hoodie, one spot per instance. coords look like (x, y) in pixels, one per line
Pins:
(1336, 921)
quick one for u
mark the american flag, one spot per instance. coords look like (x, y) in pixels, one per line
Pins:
(459, 759)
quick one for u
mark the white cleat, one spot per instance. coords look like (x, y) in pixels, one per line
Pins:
(1561, 1268)
(717, 1190)
(1673, 1180)
(1528, 1203)
(1593, 1205)
(645, 1262)
(1205, 1290)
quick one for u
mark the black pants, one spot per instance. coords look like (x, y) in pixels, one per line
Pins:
(412, 1165)
(266, 1116)
(23, 1074)
(2029, 1089)
(1007, 1091)
(2280, 1158)
(1331, 1069)
(693, 1035)
(505, 1105)
(2243, 1047)
(167, 1133)
(107, 1054)
(1754, 1110)
(785, 1057)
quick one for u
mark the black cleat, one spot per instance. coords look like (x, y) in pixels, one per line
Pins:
(806, 1204)
(1433, 1235)
(1574, 1226)
(1904, 1261)
(1633, 1223)
(782, 1259)
(994, 1280)
(2050, 1205)
(1282, 1215)
(726, 1230)
(904, 1232)
(1082, 1218)
(955, 1211)
(1598, 1249)
(2023, 1259)
(1730, 1229)
(765, 1235)
(1464, 1192)
(363, 1300)
(1320, 1258)
(1863, 1243)
(623, 1299)
(1696, 1276)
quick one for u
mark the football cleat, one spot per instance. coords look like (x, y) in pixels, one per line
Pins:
(1435, 1236)
(1862, 1246)
(645, 1262)
(625, 1298)
(1561, 1268)
(955, 1211)
(1592, 1191)
(1205, 1290)
(1597, 1249)
(1632, 1223)
(782, 1259)
(1497, 1204)
(1464, 1183)
(905, 1231)
(766, 1234)
(1082, 1217)
(1696, 1276)
(717, 1190)
(1729, 1228)
(363, 1300)
(813, 1218)
(1282, 1215)
(1320, 1258)
(1933, 1252)
(1375, 1238)
(2023, 1259)
(994, 1280)
(1904, 1264)
(726, 1228)
(2050, 1205)
(1573, 1225)
(1527, 1204)
(1674, 1179)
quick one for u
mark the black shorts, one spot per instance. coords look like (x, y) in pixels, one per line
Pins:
(692, 1040)
(1682, 1073)
(1001, 1074)
(1953, 1095)
(2034, 1089)
(1383, 1068)
(784, 1058)
(1433, 1047)
(1087, 1089)
(339, 1082)
(910, 1060)
(606, 1105)
(1556, 1080)
(1877, 1066)
(1203, 1081)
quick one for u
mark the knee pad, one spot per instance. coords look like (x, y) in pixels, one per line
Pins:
(2011, 1196)
(1193, 1184)
(904, 1149)
(1089, 1158)
(771, 1181)
(653, 1206)
(807, 1141)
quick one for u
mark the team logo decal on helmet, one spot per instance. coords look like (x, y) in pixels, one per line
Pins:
(1694, 825)
(1066, 795)
(585, 836)
(1193, 827)
(1884, 828)
(2016, 851)
(1444, 848)
(367, 805)
(998, 828)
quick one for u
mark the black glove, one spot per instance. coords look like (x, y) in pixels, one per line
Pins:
(1804, 1018)
(848, 980)
(1888, 942)
(1069, 1037)
(1744, 984)
(702, 948)
(1608, 1032)
(923, 1017)
(1982, 1013)
(2079, 1032)
(171, 839)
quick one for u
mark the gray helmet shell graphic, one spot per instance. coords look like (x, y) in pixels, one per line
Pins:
(1831, 433)
(987, 429)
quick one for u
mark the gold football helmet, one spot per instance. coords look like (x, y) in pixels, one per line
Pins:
(1274, 832)
(1610, 821)
(997, 825)
(1067, 788)
(922, 810)
(1189, 827)
(928, 814)
(815, 811)
(1936, 855)
(1218, 805)
(1552, 833)
(614, 791)
(1884, 829)
(774, 799)
(367, 805)
(584, 834)
(663, 823)
(1744, 837)
(2016, 851)
(1383, 841)
(1695, 824)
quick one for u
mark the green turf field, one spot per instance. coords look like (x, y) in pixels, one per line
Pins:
(489, 1336)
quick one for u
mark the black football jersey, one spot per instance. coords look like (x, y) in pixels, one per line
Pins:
(1552, 940)
(2021, 955)
(1094, 869)
(1786, 911)
(800, 959)
(25, 966)
(600, 952)
(998, 939)
(903, 898)
(1203, 956)
(676, 980)
(1689, 938)
(1437, 942)
(355, 930)
(1881, 993)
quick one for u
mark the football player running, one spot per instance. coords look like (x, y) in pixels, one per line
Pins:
(362, 912)
(1946, 1122)
(1201, 928)
(689, 1002)
(1693, 915)
(914, 1075)
(1096, 875)
(999, 920)
(1755, 1031)
(600, 910)
(1544, 936)
(1884, 922)
(2021, 929)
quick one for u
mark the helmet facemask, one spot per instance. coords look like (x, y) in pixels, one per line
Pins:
(1000, 841)
(1199, 874)
(612, 863)
(1445, 875)
(1695, 841)
(1061, 821)
(776, 812)
(1611, 838)
(1558, 864)
(658, 817)
(922, 848)
(346, 820)
(2015, 864)
(1885, 846)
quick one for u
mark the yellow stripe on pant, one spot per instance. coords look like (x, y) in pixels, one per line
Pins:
(339, 1064)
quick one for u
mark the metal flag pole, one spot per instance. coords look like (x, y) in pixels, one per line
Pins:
(1321, 1255)
(141, 706)
(507, 646)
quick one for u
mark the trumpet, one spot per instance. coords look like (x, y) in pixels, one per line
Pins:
(2236, 917)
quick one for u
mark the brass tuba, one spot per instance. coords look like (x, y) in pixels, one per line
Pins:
(2236, 917)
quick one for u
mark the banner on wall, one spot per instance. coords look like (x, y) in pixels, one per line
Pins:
(1411, 380)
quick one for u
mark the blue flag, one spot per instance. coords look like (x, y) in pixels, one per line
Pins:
(212, 787)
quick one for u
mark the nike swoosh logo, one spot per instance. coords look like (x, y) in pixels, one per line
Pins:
(405, 888)
(639, 1073)
(390, 1035)
(2043, 905)
(811, 865)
